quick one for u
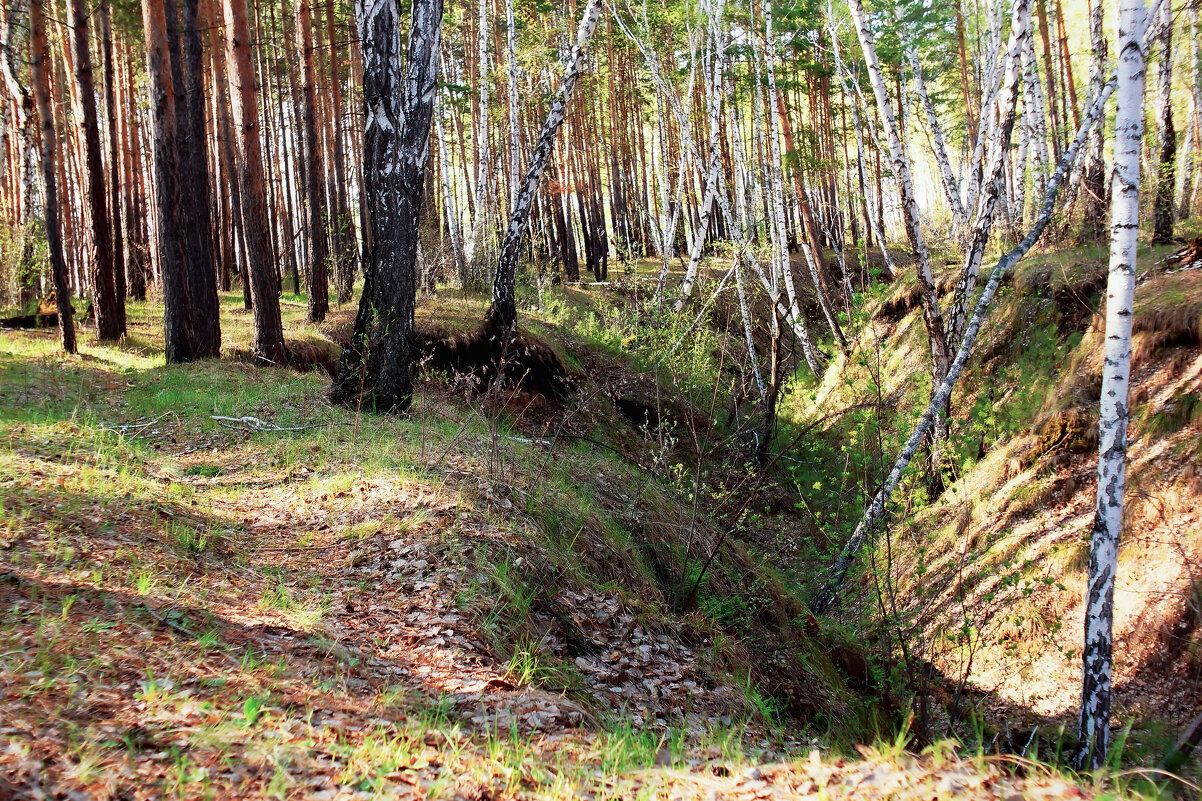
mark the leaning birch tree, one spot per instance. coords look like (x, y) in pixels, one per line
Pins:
(1093, 734)
(932, 317)
(832, 585)
(502, 314)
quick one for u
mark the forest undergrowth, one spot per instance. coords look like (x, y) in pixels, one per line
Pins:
(216, 584)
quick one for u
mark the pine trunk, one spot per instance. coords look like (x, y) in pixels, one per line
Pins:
(110, 102)
(109, 317)
(261, 273)
(345, 254)
(179, 342)
(317, 267)
(194, 163)
(39, 64)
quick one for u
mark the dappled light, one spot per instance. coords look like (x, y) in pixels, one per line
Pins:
(701, 399)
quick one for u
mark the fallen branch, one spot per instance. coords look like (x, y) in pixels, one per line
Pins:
(136, 427)
(249, 423)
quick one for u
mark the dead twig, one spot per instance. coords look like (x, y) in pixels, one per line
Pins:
(249, 423)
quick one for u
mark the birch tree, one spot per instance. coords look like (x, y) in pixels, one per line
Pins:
(832, 584)
(502, 314)
(1094, 178)
(712, 68)
(515, 143)
(991, 190)
(791, 313)
(376, 370)
(1191, 147)
(951, 186)
(931, 313)
(1093, 734)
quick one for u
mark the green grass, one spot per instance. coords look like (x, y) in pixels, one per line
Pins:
(207, 566)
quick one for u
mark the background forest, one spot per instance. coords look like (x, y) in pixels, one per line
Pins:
(602, 398)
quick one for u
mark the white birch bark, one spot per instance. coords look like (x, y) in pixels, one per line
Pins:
(1097, 655)
(480, 225)
(515, 144)
(503, 312)
(1018, 189)
(743, 221)
(1040, 149)
(1191, 146)
(932, 316)
(1165, 145)
(792, 315)
(833, 583)
(835, 236)
(951, 187)
(398, 97)
(1093, 171)
(851, 90)
(8, 72)
(671, 205)
(22, 99)
(1020, 28)
(776, 178)
(1185, 171)
(712, 66)
(448, 194)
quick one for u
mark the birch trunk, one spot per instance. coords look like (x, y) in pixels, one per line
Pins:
(995, 176)
(376, 370)
(712, 68)
(1094, 183)
(1097, 656)
(874, 227)
(793, 315)
(932, 316)
(1192, 146)
(502, 315)
(833, 584)
(480, 225)
(448, 199)
(951, 186)
(1018, 190)
(514, 129)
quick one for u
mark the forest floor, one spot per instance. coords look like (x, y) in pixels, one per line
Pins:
(216, 585)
